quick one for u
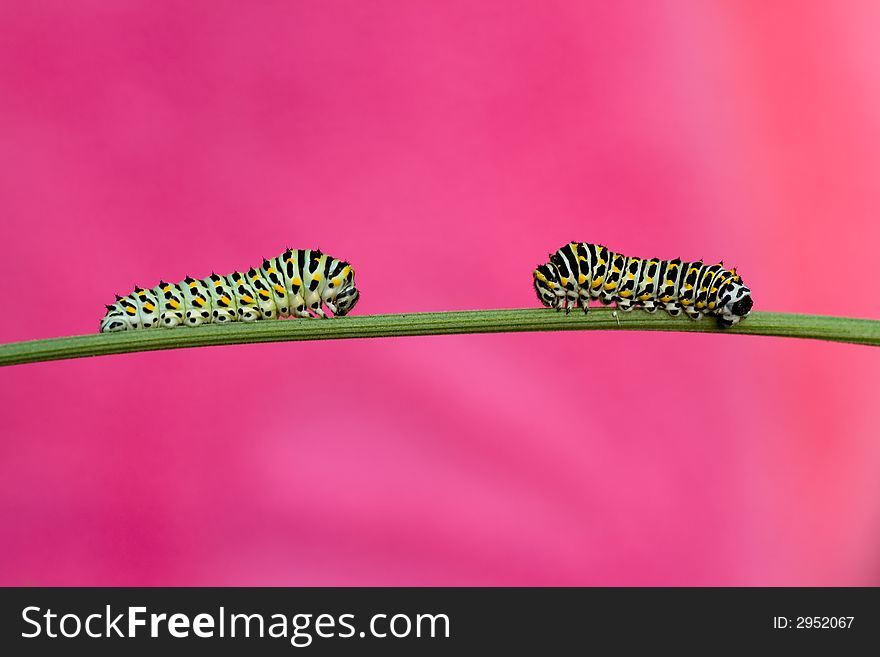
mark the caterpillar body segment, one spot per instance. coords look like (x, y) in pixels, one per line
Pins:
(197, 301)
(581, 272)
(298, 283)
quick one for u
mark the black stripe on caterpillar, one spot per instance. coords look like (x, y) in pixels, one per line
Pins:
(298, 283)
(580, 272)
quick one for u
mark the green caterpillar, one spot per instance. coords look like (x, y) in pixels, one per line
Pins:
(298, 283)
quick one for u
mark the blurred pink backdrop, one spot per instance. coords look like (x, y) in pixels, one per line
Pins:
(444, 148)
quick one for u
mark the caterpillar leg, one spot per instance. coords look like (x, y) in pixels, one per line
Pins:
(584, 299)
(197, 317)
(248, 314)
(301, 312)
(559, 301)
(625, 305)
(693, 313)
(172, 319)
(312, 305)
(223, 315)
(571, 301)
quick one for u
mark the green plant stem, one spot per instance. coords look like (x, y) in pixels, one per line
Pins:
(839, 329)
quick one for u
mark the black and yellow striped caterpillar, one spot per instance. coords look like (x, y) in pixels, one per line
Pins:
(298, 283)
(579, 272)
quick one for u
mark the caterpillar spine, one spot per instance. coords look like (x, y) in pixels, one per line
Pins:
(580, 272)
(297, 282)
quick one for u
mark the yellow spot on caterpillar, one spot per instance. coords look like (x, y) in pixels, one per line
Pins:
(264, 294)
(625, 293)
(225, 300)
(582, 279)
(711, 304)
(271, 270)
(538, 275)
(563, 280)
(700, 304)
(317, 277)
(199, 301)
(279, 288)
(685, 302)
(597, 283)
(297, 282)
(193, 284)
(149, 306)
(610, 286)
(649, 280)
(644, 297)
(130, 310)
(247, 298)
(688, 287)
(173, 303)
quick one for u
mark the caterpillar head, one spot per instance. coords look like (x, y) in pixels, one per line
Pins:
(339, 294)
(346, 300)
(547, 285)
(738, 305)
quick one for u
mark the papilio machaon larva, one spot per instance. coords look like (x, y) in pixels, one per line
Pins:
(579, 272)
(295, 283)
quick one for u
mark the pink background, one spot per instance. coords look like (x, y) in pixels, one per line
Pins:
(444, 148)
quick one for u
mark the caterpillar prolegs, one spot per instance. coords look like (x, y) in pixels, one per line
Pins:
(298, 283)
(580, 272)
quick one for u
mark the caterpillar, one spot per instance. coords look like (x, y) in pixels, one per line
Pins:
(580, 272)
(297, 282)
